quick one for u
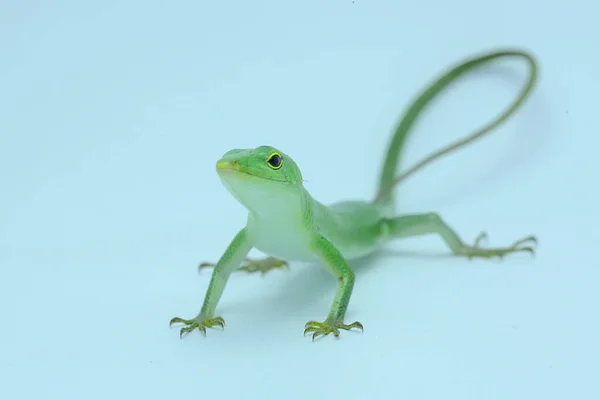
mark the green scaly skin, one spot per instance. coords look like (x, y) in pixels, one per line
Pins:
(287, 223)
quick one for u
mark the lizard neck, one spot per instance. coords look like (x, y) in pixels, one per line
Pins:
(266, 199)
(280, 217)
(279, 206)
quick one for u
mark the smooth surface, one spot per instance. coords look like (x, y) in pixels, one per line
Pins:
(112, 116)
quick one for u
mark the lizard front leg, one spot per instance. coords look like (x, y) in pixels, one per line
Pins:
(237, 250)
(338, 267)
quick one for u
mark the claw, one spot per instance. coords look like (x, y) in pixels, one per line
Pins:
(355, 324)
(479, 238)
(531, 238)
(475, 251)
(325, 328)
(250, 265)
(187, 329)
(219, 321)
(205, 265)
(309, 329)
(310, 323)
(177, 320)
(199, 323)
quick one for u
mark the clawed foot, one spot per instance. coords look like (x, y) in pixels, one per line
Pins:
(251, 265)
(523, 245)
(327, 327)
(198, 322)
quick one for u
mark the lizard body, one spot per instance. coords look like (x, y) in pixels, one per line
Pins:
(288, 224)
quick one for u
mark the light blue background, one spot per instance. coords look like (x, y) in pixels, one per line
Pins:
(112, 115)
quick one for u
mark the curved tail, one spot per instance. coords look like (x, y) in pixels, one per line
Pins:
(388, 179)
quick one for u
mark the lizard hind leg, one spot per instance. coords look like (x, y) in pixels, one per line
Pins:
(254, 265)
(431, 223)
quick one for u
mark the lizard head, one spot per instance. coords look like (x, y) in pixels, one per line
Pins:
(257, 176)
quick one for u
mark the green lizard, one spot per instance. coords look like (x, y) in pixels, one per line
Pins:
(287, 223)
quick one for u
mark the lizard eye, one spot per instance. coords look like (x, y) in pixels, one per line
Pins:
(275, 161)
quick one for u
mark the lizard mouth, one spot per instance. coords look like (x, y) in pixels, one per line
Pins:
(224, 167)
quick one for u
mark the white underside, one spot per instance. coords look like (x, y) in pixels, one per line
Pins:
(280, 237)
(275, 217)
(283, 234)
(276, 224)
